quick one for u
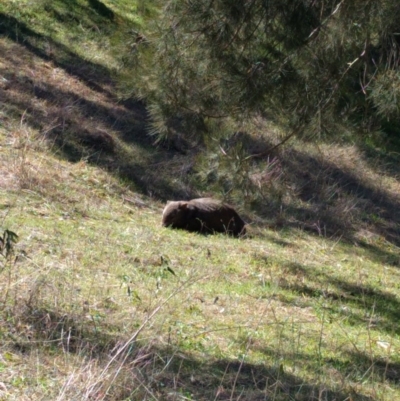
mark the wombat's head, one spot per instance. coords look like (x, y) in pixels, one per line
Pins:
(175, 214)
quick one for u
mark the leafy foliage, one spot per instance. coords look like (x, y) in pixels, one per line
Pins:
(301, 63)
(209, 70)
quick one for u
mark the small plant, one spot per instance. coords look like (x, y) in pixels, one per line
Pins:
(7, 241)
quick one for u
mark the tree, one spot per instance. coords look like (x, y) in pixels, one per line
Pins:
(302, 62)
(311, 67)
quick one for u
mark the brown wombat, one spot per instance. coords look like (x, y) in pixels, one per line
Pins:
(204, 215)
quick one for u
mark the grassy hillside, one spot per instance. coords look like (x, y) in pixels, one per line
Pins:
(98, 302)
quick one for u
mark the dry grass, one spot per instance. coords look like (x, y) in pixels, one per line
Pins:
(104, 304)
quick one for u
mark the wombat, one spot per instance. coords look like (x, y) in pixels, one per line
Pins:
(204, 215)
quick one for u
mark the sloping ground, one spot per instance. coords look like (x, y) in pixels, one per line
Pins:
(99, 303)
(71, 103)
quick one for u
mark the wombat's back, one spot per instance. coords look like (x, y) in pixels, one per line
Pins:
(218, 216)
(203, 215)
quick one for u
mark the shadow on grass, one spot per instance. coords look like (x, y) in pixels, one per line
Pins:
(231, 380)
(358, 304)
(353, 366)
(94, 75)
(71, 101)
(336, 203)
(338, 197)
(154, 372)
(326, 198)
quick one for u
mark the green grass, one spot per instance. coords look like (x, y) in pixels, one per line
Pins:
(100, 302)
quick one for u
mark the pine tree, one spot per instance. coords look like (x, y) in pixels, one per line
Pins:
(311, 67)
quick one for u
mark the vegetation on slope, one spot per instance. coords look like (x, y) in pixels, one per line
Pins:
(312, 67)
(99, 302)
